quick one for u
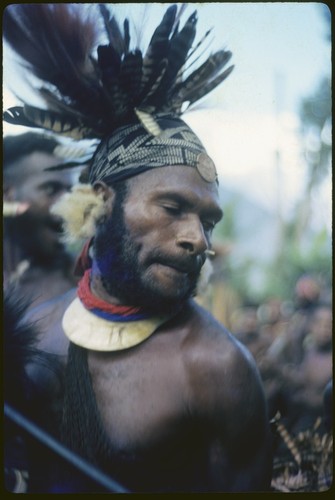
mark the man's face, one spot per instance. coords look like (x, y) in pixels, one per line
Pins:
(37, 230)
(150, 252)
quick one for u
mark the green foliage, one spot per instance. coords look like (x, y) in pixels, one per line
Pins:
(313, 256)
(226, 228)
(254, 280)
(315, 116)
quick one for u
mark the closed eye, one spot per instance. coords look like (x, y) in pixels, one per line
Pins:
(208, 226)
(172, 209)
(52, 188)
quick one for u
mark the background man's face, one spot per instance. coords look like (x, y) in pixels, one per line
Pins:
(150, 252)
(37, 230)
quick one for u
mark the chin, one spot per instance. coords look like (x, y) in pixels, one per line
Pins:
(161, 300)
(166, 284)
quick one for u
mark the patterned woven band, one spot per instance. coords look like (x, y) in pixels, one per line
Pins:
(132, 150)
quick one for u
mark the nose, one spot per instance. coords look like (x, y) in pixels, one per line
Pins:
(192, 237)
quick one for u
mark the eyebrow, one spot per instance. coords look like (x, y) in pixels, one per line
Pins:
(213, 211)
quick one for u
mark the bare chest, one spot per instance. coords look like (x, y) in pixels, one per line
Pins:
(141, 396)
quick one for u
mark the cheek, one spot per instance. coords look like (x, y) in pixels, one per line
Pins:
(143, 225)
(149, 232)
(150, 240)
(144, 217)
(28, 192)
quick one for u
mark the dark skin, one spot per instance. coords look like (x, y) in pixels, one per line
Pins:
(185, 409)
(34, 236)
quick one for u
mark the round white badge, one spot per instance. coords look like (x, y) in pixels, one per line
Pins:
(206, 168)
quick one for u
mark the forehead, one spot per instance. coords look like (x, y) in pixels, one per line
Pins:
(180, 179)
(30, 169)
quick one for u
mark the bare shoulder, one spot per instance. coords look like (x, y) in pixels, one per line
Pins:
(222, 372)
(212, 343)
(225, 394)
(47, 318)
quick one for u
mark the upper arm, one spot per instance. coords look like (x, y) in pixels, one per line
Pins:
(47, 318)
(232, 404)
(243, 427)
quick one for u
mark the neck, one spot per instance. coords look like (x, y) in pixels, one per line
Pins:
(143, 300)
(107, 309)
(99, 290)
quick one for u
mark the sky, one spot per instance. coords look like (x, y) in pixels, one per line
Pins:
(280, 53)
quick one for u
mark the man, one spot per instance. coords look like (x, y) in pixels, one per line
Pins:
(35, 259)
(156, 392)
(183, 409)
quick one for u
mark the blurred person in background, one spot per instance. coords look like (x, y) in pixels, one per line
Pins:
(35, 260)
(256, 326)
(306, 298)
(308, 380)
(246, 328)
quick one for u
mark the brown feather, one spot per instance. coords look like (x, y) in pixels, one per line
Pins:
(89, 90)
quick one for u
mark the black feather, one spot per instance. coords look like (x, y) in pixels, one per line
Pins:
(196, 82)
(126, 36)
(54, 40)
(197, 94)
(109, 62)
(88, 89)
(19, 343)
(131, 75)
(113, 31)
(157, 50)
(16, 116)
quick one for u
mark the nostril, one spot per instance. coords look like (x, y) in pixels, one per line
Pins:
(186, 245)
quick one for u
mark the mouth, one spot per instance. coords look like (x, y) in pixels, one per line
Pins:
(189, 267)
(55, 224)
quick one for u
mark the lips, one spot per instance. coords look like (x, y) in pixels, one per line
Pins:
(189, 266)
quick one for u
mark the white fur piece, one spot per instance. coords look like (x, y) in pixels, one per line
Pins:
(79, 209)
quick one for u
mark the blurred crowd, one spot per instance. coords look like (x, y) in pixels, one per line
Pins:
(292, 345)
(291, 342)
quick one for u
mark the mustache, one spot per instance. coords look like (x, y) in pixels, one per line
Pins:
(191, 264)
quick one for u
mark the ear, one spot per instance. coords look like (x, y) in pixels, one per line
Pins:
(107, 192)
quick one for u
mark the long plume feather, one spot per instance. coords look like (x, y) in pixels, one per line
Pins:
(91, 81)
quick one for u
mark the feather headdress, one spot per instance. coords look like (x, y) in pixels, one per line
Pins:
(127, 102)
(89, 88)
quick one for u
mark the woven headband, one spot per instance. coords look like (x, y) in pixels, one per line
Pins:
(131, 150)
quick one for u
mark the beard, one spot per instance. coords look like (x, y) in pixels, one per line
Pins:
(125, 277)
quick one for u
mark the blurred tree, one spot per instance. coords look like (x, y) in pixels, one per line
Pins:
(302, 250)
(315, 116)
(316, 132)
(313, 257)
